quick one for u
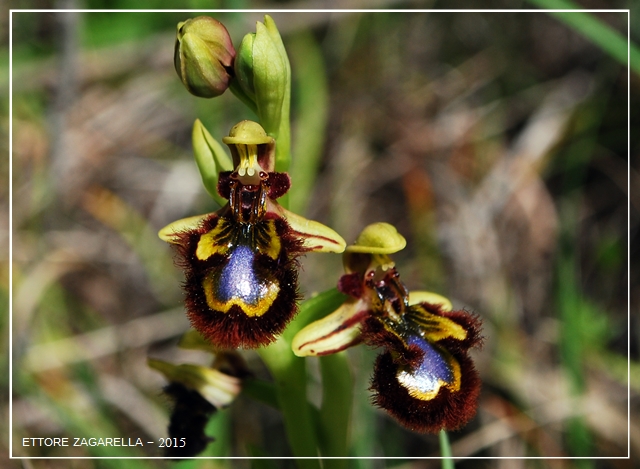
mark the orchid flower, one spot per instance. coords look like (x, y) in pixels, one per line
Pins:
(240, 262)
(424, 377)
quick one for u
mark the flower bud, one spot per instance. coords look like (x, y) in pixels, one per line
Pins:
(218, 388)
(262, 71)
(197, 393)
(243, 66)
(204, 56)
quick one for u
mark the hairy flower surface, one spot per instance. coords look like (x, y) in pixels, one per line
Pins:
(424, 377)
(241, 262)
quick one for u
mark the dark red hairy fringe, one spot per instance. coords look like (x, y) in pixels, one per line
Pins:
(448, 410)
(235, 329)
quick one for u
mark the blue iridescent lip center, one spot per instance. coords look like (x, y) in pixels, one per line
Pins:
(238, 279)
(242, 281)
(433, 371)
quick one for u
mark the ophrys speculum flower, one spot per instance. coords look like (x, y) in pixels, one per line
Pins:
(425, 377)
(241, 262)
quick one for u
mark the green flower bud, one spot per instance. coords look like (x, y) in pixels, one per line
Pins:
(243, 66)
(263, 73)
(204, 56)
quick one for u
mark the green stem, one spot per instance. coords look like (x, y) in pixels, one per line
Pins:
(445, 449)
(335, 412)
(290, 376)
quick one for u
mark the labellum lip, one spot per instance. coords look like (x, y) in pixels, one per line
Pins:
(238, 284)
(240, 265)
(197, 393)
(436, 369)
(447, 408)
(241, 281)
(426, 379)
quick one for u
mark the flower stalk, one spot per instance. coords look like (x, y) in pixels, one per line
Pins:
(445, 450)
(312, 433)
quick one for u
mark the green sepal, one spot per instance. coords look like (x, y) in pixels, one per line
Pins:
(211, 158)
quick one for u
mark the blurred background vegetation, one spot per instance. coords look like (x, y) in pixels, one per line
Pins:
(495, 142)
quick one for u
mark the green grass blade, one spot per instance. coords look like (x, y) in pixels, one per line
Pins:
(312, 110)
(598, 32)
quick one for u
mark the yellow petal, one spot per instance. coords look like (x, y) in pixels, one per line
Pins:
(169, 232)
(247, 133)
(416, 297)
(378, 238)
(333, 333)
(315, 235)
(218, 388)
